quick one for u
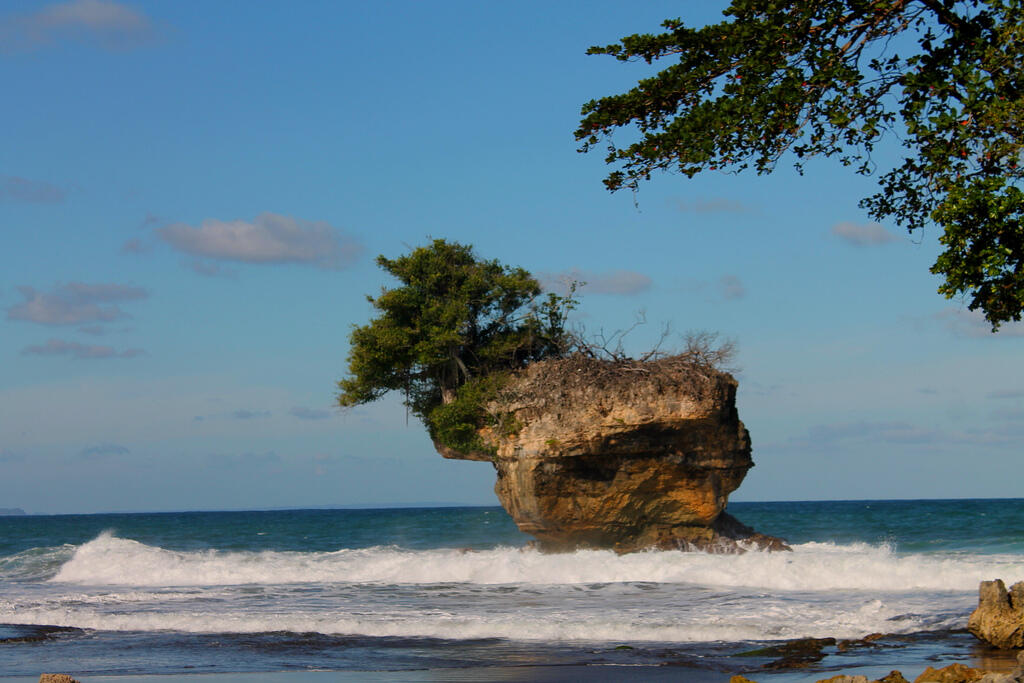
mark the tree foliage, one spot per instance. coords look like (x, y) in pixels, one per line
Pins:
(831, 78)
(445, 336)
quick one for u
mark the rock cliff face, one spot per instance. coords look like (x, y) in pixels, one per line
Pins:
(625, 455)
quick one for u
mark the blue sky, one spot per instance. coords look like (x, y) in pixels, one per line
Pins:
(192, 195)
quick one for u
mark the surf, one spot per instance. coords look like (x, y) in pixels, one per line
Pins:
(814, 567)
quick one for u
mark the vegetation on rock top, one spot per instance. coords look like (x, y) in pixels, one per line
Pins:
(449, 335)
(456, 331)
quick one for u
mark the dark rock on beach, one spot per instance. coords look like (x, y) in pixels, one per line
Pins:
(794, 654)
(999, 618)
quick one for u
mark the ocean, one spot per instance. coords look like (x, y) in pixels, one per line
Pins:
(443, 589)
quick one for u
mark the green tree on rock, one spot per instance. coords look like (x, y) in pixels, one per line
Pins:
(831, 78)
(447, 336)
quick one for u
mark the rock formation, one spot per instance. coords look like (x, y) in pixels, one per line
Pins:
(999, 619)
(620, 454)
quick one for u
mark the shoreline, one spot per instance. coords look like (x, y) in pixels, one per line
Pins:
(910, 655)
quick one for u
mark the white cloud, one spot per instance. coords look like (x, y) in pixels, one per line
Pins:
(271, 238)
(74, 304)
(17, 189)
(109, 24)
(58, 347)
(868, 235)
(625, 282)
(967, 323)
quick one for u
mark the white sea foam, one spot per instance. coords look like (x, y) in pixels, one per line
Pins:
(603, 622)
(820, 589)
(109, 560)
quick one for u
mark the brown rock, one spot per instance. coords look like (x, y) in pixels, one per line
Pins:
(56, 678)
(621, 454)
(999, 618)
(892, 677)
(798, 653)
(844, 678)
(867, 641)
(740, 679)
(954, 673)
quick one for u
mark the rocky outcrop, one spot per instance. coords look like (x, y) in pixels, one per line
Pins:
(999, 618)
(959, 673)
(620, 454)
(954, 673)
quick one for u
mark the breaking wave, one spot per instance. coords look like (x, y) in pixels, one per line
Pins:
(112, 561)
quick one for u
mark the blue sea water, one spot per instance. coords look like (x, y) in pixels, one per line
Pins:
(432, 588)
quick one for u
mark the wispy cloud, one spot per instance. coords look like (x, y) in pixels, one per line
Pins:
(74, 304)
(250, 414)
(731, 287)
(110, 25)
(210, 269)
(10, 456)
(860, 435)
(726, 288)
(965, 323)
(623, 282)
(271, 238)
(58, 347)
(893, 432)
(715, 205)
(105, 450)
(867, 235)
(1007, 393)
(304, 413)
(244, 460)
(135, 246)
(15, 189)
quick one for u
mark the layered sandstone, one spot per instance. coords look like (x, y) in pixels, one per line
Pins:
(620, 454)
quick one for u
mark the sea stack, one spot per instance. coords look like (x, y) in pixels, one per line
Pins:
(620, 454)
